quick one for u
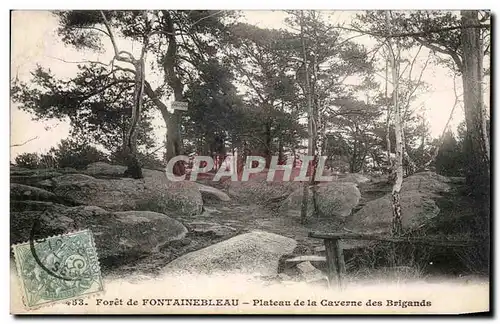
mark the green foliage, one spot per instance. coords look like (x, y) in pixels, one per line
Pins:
(267, 120)
(98, 100)
(98, 104)
(355, 135)
(147, 161)
(429, 29)
(244, 84)
(73, 154)
(28, 160)
(451, 158)
(213, 107)
(77, 28)
(270, 64)
(68, 154)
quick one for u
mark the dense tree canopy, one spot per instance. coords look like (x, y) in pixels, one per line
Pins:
(246, 85)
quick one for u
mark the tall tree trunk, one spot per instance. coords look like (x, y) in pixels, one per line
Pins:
(310, 144)
(281, 156)
(130, 147)
(169, 122)
(363, 158)
(388, 119)
(206, 145)
(268, 143)
(314, 137)
(397, 226)
(354, 157)
(412, 167)
(173, 121)
(133, 167)
(476, 141)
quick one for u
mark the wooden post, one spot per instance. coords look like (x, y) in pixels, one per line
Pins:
(340, 262)
(333, 252)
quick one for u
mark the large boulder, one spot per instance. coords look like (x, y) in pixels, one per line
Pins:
(429, 183)
(68, 180)
(106, 170)
(32, 177)
(178, 196)
(250, 253)
(260, 191)
(376, 216)
(24, 192)
(34, 172)
(352, 177)
(118, 236)
(112, 194)
(334, 199)
(308, 272)
(15, 168)
(154, 193)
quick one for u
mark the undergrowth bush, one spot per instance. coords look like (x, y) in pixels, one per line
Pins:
(369, 260)
(67, 154)
(461, 218)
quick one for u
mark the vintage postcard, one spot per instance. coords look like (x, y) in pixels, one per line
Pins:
(250, 162)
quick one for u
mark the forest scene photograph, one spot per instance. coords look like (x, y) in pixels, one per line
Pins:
(304, 149)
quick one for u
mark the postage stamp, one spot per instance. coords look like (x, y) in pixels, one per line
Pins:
(58, 268)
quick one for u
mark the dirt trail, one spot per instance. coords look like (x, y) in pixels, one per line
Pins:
(243, 217)
(251, 217)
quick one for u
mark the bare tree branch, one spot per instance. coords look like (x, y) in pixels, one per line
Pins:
(25, 142)
(151, 94)
(245, 73)
(412, 34)
(203, 18)
(118, 54)
(412, 63)
(417, 84)
(120, 68)
(92, 28)
(446, 51)
(80, 62)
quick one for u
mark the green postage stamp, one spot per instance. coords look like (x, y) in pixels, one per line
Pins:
(58, 268)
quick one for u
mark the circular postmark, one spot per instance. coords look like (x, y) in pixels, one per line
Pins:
(59, 260)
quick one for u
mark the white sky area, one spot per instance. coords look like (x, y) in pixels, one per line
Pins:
(34, 41)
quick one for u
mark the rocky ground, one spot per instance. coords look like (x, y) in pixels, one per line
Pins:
(153, 226)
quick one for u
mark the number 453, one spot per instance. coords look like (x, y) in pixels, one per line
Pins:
(76, 302)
